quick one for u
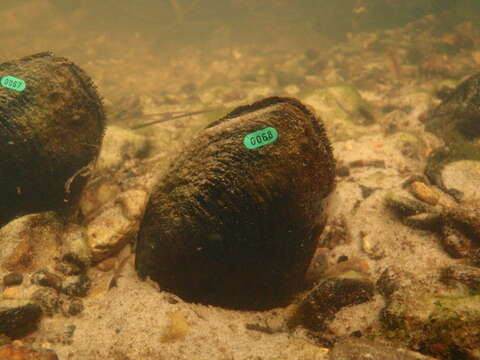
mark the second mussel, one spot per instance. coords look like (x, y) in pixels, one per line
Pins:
(235, 220)
(51, 126)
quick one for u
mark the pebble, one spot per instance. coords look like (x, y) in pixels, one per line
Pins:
(12, 279)
(372, 248)
(465, 217)
(456, 243)
(15, 352)
(46, 278)
(48, 299)
(425, 221)
(403, 205)
(76, 285)
(10, 292)
(423, 192)
(463, 274)
(75, 247)
(107, 264)
(462, 176)
(291, 90)
(116, 225)
(317, 267)
(321, 304)
(73, 307)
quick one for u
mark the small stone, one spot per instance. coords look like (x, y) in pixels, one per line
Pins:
(475, 257)
(4, 340)
(403, 205)
(177, 329)
(26, 240)
(48, 300)
(342, 171)
(466, 217)
(414, 178)
(291, 89)
(372, 248)
(321, 304)
(464, 274)
(15, 352)
(70, 330)
(111, 230)
(96, 196)
(76, 285)
(336, 233)
(120, 144)
(10, 292)
(355, 264)
(13, 279)
(133, 202)
(422, 192)
(366, 191)
(425, 221)
(107, 264)
(46, 278)
(68, 267)
(75, 247)
(456, 243)
(317, 267)
(389, 281)
(462, 176)
(18, 317)
(74, 307)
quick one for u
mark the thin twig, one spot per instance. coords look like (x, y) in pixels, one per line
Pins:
(170, 116)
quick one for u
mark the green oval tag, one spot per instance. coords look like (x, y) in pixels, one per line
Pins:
(260, 138)
(13, 83)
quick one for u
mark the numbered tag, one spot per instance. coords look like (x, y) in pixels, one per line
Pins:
(260, 138)
(13, 83)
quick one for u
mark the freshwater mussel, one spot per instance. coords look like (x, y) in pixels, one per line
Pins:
(235, 219)
(51, 126)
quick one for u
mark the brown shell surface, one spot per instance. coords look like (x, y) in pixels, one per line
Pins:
(48, 132)
(237, 227)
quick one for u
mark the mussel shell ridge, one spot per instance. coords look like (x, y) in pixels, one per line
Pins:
(237, 227)
(49, 131)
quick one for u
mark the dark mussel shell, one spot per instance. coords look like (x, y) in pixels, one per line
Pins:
(48, 132)
(237, 227)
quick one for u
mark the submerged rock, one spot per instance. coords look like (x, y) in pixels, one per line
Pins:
(27, 241)
(13, 279)
(457, 122)
(465, 275)
(443, 326)
(234, 222)
(51, 127)
(18, 317)
(15, 352)
(462, 179)
(321, 304)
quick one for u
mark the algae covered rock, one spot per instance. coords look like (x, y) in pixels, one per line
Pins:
(51, 125)
(445, 326)
(457, 122)
(235, 220)
(320, 305)
(344, 111)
